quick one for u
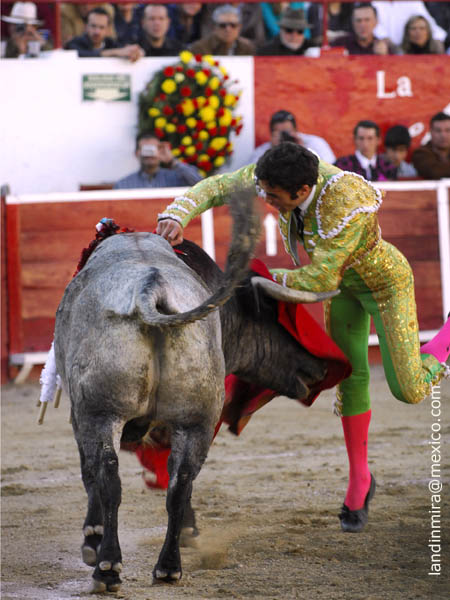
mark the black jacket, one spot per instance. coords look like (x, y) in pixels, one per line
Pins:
(83, 45)
(169, 48)
(276, 48)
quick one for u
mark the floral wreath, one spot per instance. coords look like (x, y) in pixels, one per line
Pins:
(190, 105)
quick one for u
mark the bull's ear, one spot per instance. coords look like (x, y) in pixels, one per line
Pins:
(288, 294)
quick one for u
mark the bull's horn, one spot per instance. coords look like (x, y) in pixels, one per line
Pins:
(285, 294)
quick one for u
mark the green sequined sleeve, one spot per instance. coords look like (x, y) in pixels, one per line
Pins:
(208, 193)
(329, 260)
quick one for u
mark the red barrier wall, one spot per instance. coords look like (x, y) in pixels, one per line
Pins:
(330, 95)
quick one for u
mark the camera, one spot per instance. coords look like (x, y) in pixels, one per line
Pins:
(285, 136)
(20, 28)
(149, 150)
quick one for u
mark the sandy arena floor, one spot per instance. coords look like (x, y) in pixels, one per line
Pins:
(267, 505)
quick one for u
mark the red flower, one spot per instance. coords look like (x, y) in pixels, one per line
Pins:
(159, 132)
(223, 130)
(167, 110)
(182, 149)
(226, 77)
(200, 125)
(194, 135)
(185, 91)
(179, 109)
(190, 73)
(179, 69)
(213, 131)
(208, 92)
(222, 93)
(207, 72)
(206, 165)
(198, 145)
(162, 97)
(181, 128)
(211, 152)
(169, 71)
(220, 112)
(233, 122)
(191, 159)
(194, 102)
(198, 57)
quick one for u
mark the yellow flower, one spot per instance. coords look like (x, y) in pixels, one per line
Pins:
(190, 150)
(223, 70)
(214, 83)
(207, 114)
(201, 101)
(186, 56)
(191, 122)
(226, 118)
(160, 122)
(170, 128)
(202, 172)
(186, 140)
(214, 102)
(203, 135)
(201, 78)
(176, 152)
(211, 124)
(218, 162)
(188, 107)
(168, 86)
(153, 112)
(229, 100)
(203, 157)
(179, 77)
(208, 59)
(219, 143)
(230, 147)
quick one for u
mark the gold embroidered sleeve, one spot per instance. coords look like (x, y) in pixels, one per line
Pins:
(329, 260)
(208, 193)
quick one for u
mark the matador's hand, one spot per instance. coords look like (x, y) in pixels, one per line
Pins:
(170, 230)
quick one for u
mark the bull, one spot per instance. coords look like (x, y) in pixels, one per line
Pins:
(139, 342)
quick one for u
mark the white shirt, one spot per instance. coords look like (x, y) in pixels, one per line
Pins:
(392, 18)
(303, 207)
(311, 142)
(366, 163)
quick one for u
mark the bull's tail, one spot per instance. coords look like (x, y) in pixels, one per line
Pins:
(245, 233)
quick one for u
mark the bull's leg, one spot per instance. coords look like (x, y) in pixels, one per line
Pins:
(98, 441)
(189, 450)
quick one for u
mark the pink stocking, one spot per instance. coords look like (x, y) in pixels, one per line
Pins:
(356, 431)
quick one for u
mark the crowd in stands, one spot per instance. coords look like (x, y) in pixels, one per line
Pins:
(261, 28)
(132, 31)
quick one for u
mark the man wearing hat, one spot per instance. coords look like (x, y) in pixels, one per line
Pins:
(22, 30)
(291, 39)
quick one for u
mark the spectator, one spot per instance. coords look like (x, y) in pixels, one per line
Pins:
(22, 31)
(366, 161)
(440, 11)
(155, 25)
(284, 121)
(186, 21)
(272, 11)
(252, 22)
(392, 18)
(418, 39)
(225, 38)
(95, 41)
(291, 40)
(127, 23)
(432, 161)
(396, 143)
(74, 16)
(363, 40)
(339, 21)
(151, 154)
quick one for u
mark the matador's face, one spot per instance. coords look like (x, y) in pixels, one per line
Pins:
(281, 199)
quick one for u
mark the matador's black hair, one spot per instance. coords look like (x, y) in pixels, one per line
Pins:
(288, 166)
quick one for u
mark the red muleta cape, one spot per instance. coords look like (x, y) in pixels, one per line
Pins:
(242, 399)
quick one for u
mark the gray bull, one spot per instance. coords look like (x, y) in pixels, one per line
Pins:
(137, 342)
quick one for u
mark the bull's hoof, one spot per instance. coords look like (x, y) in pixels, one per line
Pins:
(106, 578)
(188, 537)
(161, 575)
(92, 541)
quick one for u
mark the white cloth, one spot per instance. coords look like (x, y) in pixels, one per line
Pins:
(393, 15)
(312, 142)
(366, 163)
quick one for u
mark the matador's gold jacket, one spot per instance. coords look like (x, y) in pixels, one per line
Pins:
(341, 232)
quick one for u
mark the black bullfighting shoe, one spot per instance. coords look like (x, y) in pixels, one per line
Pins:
(354, 521)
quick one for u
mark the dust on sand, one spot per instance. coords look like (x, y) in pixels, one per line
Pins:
(267, 505)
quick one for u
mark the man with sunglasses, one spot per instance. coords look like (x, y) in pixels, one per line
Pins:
(225, 38)
(291, 40)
